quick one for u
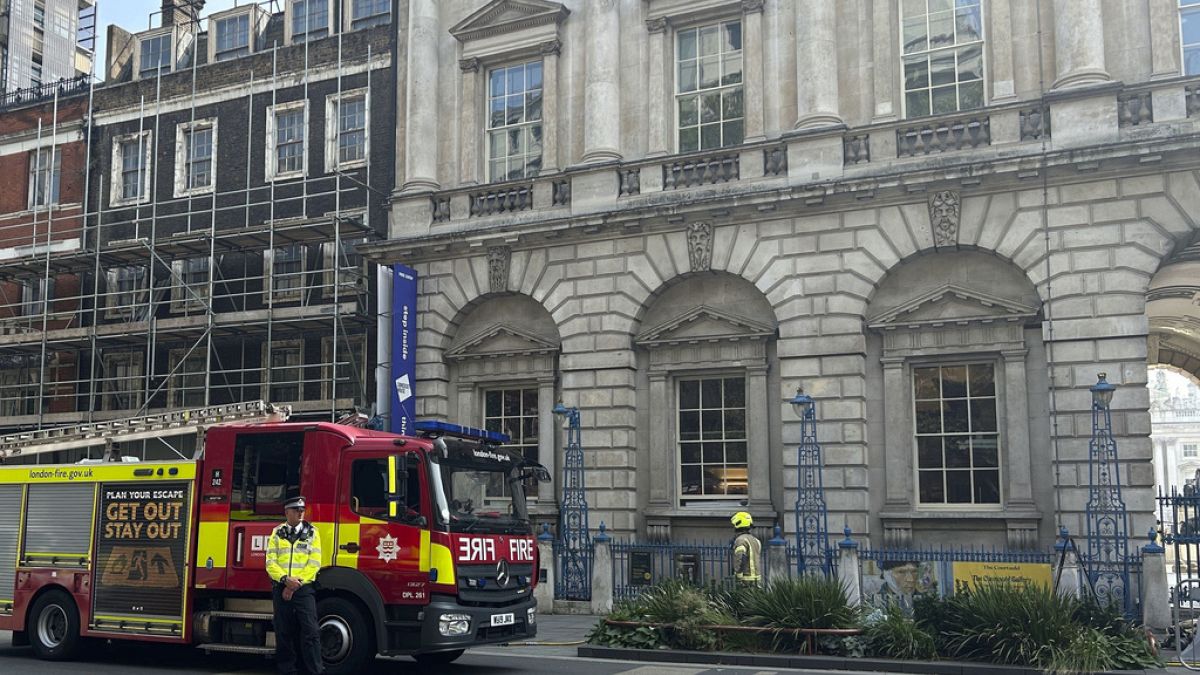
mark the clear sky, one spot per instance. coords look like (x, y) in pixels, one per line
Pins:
(135, 15)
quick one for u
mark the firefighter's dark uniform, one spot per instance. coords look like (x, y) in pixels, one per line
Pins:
(295, 553)
(747, 551)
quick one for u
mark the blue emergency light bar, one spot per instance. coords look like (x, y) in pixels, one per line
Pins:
(437, 428)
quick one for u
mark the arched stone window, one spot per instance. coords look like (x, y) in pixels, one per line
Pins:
(704, 353)
(503, 363)
(957, 339)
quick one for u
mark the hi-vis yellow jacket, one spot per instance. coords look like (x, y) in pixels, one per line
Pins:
(292, 554)
(747, 551)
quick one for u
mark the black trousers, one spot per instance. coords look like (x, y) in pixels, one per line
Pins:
(296, 622)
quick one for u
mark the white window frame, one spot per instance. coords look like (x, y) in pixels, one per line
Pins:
(116, 170)
(333, 129)
(1193, 6)
(183, 133)
(235, 52)
(1189, 450)
(292, 37)
(142, 39)
(998, 399)
(136, 363)
(357, 344)
(370, 21)
(181, 299)
(525, 126)
(176, 384)
(685, 499)
(271, 160)
(37, 296)
(48, 173)
(676, 94)
(982, 42)
(112, 297)
(267, 350)
(519, 443)
(289, 294)
(332, 271)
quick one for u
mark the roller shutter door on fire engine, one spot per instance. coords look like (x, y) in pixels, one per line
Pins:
(58, 525)
(10, 522)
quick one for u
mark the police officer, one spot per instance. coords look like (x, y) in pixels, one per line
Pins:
(293, 560)
(747, 550)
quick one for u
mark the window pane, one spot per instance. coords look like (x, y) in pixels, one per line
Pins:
(515, 77)
(931, 488)
(954, 381)
(512, 403)
(941, 30)
(970, 63)
(914, 35)
(689, 140)
(690, 479)
(1190, 26)
(711, 424)
(496, 113)
(731, 69)
(710, 136)
(533, 75)
(929, 417)
(714, 453)
(687, 45)
(958, 487)
(732, 133)
(958, 452)
(941, 67)
(735, 453)
(731, 104)
(733, 36)
(710, 72)
(689, 425)
(735, 423)
(689, 111)
(917, 103)
(983, 414)
(967, 24)
(735, 392)
(970, 95)
(496, 83)
(533, 106)
(687, 76)
(710, 393)
(710, 42)
(689, 395)
(929, 452)
(983, 379)
(954, 416)
(987, 487)
(710, 107)
(689, 453)
(926, 382)
(984, 451)
(916, 72)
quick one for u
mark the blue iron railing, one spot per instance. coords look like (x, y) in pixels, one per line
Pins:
(638, 566)
(573, 553)
(1106, 555)
(950, 554)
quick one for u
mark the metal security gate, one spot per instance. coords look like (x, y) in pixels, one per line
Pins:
(1179, 522)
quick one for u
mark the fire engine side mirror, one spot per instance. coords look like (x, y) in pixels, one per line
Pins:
(536, 471)
(397, 485)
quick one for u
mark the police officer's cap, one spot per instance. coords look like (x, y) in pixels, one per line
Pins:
(294, 503)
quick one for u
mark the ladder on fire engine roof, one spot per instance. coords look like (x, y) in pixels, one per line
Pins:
(111, 432)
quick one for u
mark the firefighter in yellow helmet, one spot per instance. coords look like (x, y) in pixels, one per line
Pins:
(293, 560)
(747, 551)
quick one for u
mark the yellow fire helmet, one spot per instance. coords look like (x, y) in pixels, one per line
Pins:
(741, 520)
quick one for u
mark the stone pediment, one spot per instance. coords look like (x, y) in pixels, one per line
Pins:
(704, 324)
(506, 16)
(501, 340)
(950, 304)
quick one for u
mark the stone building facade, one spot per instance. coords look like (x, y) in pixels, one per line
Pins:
(941, 220)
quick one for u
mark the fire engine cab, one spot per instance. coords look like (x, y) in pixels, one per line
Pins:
(427, 545)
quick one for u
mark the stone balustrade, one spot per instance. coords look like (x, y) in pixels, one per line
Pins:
(808, 161)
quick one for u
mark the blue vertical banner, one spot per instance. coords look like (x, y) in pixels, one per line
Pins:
(404, 348)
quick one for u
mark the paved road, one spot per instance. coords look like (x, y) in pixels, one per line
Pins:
(129, 659)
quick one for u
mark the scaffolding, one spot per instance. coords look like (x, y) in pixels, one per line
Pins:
(211, 298)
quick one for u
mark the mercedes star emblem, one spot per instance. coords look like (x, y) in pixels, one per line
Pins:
(502, 573)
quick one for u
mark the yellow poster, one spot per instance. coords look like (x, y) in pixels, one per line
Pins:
(971, 575)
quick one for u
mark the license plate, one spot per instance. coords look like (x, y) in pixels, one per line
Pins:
(503, 619)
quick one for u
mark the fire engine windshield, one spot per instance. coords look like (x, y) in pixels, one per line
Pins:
(479, 489)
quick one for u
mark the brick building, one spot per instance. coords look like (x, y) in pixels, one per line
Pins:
(43, 161)
(940, 219)
(237, 161)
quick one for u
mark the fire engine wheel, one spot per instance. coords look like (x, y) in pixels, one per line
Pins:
(438, 658)
(346, 641)
(54, 627)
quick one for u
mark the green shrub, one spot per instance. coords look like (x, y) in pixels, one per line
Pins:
(896, 636)
(805, 602)
(1004, 624)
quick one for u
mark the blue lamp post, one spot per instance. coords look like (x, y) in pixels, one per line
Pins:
(1107, 520)
(812, 513)
(574, 546)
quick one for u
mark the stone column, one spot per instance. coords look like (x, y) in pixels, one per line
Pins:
(470, 130)
(662, 488)
(1016, 429)
(1078, 47)
(658, 110)
(544, 593)
(548, 451)
(1164, 39)
(897, 396)
(885, 54)
(758, 455)
(1156, 603)
(816, 64)
(1000, 40)
(602, 94)
(848, 569)
(752, 69)
(550, 51)
(602, 573)
(421, 147)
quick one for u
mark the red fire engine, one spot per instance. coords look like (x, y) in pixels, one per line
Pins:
(426, 542)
